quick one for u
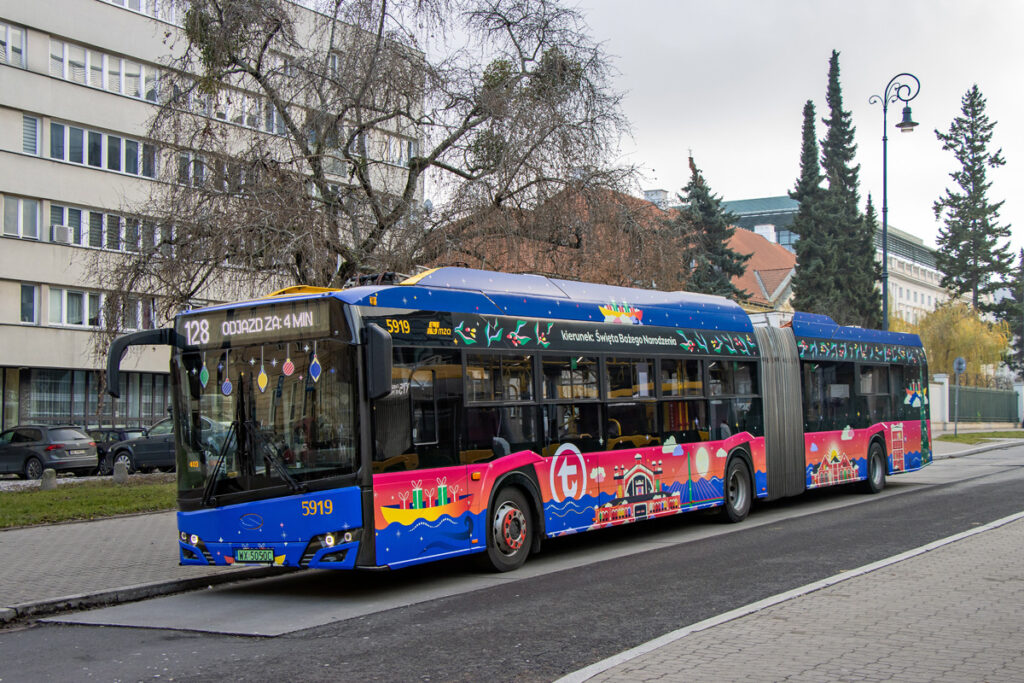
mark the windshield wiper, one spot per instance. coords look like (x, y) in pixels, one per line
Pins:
(272, 455)
(211, 479)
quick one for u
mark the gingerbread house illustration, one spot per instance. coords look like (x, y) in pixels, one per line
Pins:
(638, 494)
(834, 468)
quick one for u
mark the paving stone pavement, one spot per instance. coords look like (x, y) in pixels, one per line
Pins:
(954, 613)
(47, 562)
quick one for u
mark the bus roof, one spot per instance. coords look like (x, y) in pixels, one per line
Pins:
(823, 327)
(466, 290)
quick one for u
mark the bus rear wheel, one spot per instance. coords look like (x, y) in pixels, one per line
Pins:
(737, 491)
(876, 469)
(510, 524)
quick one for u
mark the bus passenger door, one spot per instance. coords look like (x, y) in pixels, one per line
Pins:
(570, 476)
(421, 492)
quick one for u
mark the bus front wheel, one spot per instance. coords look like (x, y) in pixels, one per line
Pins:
(737, 491)
(876, 469)
(509, 529)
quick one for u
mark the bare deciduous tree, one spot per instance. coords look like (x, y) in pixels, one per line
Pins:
(296, 144)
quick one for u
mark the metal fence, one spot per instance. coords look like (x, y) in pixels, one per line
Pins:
(984, 405)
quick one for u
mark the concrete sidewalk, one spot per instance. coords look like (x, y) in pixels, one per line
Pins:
(52, 568)
(48, 569)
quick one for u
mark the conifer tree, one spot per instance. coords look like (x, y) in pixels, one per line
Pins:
(854, 275)
(973, 249)
(1010, 309)
(814, 254)
(870, 307)
(706, 227)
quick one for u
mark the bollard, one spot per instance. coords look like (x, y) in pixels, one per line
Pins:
(49, 481)
(120, 473)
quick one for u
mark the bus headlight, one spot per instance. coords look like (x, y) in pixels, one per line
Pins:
(329, 540)
(193, 539)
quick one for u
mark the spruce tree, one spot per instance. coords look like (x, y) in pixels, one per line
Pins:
(870, 307)
(855, 274)
(706, 227)
(973, 250)
(814, 254)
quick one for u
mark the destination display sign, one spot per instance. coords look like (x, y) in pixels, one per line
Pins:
(502, 332)
(262, 324)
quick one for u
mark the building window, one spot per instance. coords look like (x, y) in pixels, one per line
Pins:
(29, 303)
(113, 232)
(95, 149)
(30, 135)
(113, 152)
(57, 149)
(56, 306)
(76, 64)
(130, 315)
(12, 45)
(171, 11)
(56, 59)
(95, 69)
(106, 72)
(65, 224)
(95, 229)
(76, 145)
(94, 310)
(70, 307)
(131, 157)
(191, 169)
(21, 217)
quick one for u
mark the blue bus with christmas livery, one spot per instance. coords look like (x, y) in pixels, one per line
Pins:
(469, 412)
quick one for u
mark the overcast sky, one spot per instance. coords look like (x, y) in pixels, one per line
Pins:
(728, 79)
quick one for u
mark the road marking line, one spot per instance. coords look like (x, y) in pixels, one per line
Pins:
(651, 645)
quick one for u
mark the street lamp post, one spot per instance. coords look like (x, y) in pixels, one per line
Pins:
(896, 91)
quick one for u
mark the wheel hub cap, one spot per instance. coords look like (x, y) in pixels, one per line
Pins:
(509, 529)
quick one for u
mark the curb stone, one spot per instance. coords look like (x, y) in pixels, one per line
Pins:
(117, 596)
(981, 449)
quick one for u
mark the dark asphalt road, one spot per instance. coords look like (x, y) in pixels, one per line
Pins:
(539, 628)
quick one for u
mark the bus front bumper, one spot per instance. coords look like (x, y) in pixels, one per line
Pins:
(319, 530)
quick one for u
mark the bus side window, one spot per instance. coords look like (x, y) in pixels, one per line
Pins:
(828, 396)
(423, 403)
(897, 392)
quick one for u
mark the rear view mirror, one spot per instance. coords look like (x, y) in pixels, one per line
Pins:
(378, 362)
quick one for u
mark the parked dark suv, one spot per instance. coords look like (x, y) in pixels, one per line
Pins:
(105, 437)
(155, 448)
(27, 450)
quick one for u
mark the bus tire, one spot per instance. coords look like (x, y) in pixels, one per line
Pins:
(737, 491)
(509, 530)
(876, 469)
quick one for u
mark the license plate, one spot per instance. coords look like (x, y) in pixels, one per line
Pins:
(78, 452)
(254, 554)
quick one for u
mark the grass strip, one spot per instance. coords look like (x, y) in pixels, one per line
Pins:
(980, 437)
(87, 500)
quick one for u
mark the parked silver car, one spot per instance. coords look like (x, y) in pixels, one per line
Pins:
(27, 450)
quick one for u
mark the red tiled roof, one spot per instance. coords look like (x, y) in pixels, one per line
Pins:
(769, 266)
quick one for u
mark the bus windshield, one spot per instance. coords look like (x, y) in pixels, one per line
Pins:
(260, 417)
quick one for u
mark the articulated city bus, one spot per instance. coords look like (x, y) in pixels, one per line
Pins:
(465, 411)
